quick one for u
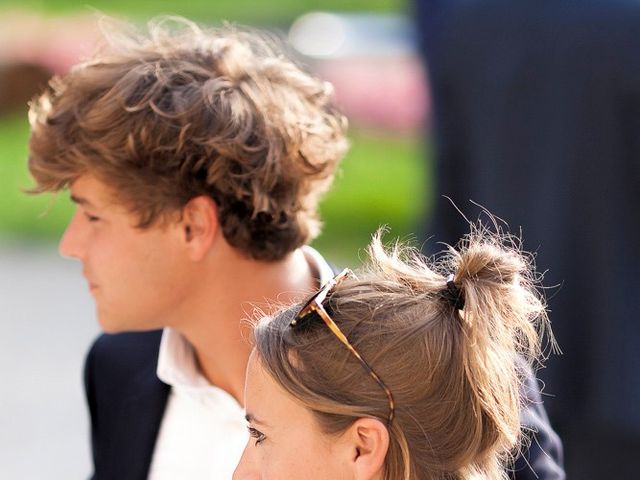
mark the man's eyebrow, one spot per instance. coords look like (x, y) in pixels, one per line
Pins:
(80, 200)
(252, 419)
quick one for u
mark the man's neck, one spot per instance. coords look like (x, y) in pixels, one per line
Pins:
(231, 292)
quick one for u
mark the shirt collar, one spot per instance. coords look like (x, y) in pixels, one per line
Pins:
(177, 364)
(318, 264)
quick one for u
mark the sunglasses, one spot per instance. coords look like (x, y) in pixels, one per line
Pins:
(315, 306)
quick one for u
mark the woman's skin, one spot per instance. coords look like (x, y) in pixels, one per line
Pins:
(287, 442)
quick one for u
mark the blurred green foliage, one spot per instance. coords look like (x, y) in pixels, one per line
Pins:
(274, 12)
(24, 216)
(384, 180)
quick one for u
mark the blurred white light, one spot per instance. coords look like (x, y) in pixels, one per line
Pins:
(318, 34)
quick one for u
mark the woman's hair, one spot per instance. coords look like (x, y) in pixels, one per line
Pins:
(455, 374)
(181, 112)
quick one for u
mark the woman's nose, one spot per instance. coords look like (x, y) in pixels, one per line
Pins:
(247, 468)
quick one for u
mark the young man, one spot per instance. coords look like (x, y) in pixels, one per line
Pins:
(196, 160)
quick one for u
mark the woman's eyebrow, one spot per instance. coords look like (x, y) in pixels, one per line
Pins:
(252, 419)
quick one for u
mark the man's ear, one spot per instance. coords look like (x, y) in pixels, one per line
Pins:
(199, 225)
(369, 439)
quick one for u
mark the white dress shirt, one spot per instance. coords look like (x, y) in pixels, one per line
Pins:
(203, 430)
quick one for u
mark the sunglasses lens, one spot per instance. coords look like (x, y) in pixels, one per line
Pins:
(304, 321)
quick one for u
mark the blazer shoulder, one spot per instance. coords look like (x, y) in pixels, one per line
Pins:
(124, 354)
(541, 457)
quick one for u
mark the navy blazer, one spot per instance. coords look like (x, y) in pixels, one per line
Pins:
(127, 401)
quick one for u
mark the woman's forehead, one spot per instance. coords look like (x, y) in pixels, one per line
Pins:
(266, 400)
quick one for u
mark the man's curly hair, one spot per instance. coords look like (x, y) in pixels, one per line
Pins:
(182, 112)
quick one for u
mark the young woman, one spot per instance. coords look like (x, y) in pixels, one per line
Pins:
(409, 370)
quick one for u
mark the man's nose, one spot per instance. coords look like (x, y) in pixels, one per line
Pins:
(71, 243)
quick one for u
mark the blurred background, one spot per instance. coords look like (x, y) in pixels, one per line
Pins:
(530, 108)
(366, 48)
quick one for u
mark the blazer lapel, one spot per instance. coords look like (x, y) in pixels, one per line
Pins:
(138, 427)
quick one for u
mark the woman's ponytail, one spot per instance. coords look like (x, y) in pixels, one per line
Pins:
(492, 293)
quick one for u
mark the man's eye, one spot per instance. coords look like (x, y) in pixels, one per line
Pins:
(91, 218)
(257, 434)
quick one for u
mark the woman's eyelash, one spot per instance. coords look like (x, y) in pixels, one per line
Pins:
(257, 434)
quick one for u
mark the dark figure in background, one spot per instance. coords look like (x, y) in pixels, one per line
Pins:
(537, 106)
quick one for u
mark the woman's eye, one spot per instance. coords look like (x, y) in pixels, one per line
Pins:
(257, 434)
